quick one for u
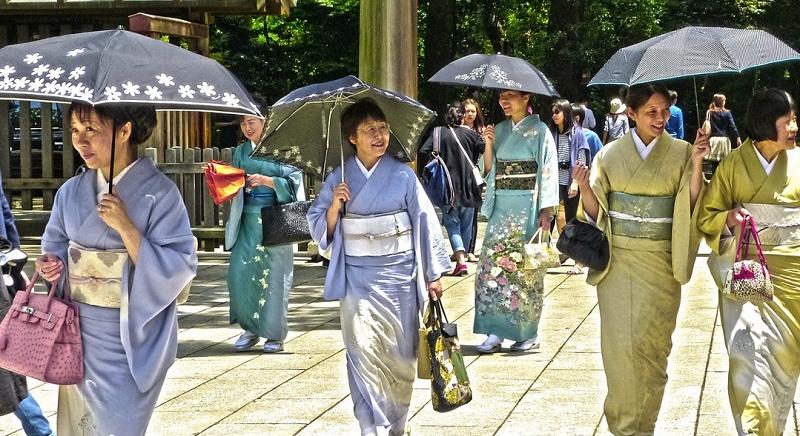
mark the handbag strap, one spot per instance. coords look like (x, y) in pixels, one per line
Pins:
(744, 239)
(538, 232)
(461, 147)
(754, 232)
(438, 315)
(437, 138)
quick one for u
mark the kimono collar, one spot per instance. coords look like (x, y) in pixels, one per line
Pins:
(364, 169)
(644, 150)
(515, 126)
(768, 166)
(102, 183)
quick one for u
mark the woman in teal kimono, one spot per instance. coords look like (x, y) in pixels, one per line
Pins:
(259, 277)
(521, 194)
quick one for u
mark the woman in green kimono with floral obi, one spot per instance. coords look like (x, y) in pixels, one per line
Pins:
(521, 194)
(642, 194)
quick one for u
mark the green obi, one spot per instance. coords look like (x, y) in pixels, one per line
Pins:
(637, 216)
(516, 174)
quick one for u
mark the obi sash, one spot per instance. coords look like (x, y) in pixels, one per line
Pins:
(95, 276)
(777, 225)
(638, 216)
(377, 235)
(516, 174)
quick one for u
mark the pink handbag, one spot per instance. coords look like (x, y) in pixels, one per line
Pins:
(748, 280)
(40, 337)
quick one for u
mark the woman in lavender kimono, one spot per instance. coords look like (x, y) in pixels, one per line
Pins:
(385, 252)
(521, 194)
(259, 277)
(125, 257)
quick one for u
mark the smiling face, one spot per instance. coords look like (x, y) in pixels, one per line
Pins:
(371, 140)
(514, 104)
(651, 117)
(251, 127)
(91, 137)
(786, 127)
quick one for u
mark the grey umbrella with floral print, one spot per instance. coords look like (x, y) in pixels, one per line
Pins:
(495, 72)
(117, 66)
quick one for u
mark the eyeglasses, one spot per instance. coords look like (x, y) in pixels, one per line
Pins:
(556, 112)
(377, 129)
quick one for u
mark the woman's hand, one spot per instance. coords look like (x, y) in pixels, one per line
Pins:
(255, 180)
(488, 135)
(573, 189)
(435, 290)
(736, 216)
(545, 218)
(113, 212)
(580, 176)
(50, 267)
(701, 148)
(341, 194)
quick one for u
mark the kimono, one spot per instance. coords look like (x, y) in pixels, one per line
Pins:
(762, 339)
(127, 350)
(259, 277)
(381, 297)
(645, 213)
(523, 181)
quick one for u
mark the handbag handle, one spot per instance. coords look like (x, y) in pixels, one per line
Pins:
(744, 239)
(754, 232)
(439, 316)
(50, 295)
(541, 233)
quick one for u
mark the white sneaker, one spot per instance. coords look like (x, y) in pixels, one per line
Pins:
(530, 344)
(246, 341)
(273, 346)
(492, 344)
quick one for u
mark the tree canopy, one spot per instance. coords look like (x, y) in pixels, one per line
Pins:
(569, 40)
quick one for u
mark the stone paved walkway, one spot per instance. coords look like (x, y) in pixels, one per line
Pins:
(213, 390)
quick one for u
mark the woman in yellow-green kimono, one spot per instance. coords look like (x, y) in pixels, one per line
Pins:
(761, 178)
(641, 194)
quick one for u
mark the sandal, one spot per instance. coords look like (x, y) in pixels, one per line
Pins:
(574, 271)
(471, 257)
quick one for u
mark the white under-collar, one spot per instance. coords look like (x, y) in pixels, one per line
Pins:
(768, 166)
(364, 169)
(102, 183)
(514, 125)
(644, 150)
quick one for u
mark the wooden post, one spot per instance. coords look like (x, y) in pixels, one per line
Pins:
(387, 55)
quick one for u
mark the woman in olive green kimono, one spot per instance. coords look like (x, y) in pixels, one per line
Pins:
(641, 194)
(760, 178)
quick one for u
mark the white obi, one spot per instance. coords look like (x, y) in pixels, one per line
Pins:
(95, 276)
(377, 235)
(777, 225)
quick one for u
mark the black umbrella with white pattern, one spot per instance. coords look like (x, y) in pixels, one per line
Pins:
(495, 72)
(117, 66)
(693, 51)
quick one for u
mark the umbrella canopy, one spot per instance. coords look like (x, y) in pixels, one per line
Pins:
(117, 66)
(693, 51)
(303, 127)
(495, 72)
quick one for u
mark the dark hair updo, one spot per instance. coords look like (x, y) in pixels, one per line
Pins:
(763, 112)
(639, 94)
(142, 118)
(454, 115)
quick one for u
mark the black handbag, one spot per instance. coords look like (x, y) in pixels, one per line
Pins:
(283, 224)
(585, 244)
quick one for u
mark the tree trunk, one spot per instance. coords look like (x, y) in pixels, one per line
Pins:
(564, 63)
(439, 52)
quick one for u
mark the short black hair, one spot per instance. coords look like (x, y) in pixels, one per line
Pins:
(360, 111)
(764, 110)
(454, 115)
(577, 111)
(639, 94)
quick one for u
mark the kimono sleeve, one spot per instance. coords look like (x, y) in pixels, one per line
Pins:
(167, 262)
(288, 184)
(428, 240)
(548, 180)
(8, 219)
(715, 204)
(685, 235)
(317, 218)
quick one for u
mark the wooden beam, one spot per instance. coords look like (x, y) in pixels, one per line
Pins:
(146, 23)
(272, 7)
(28, 183)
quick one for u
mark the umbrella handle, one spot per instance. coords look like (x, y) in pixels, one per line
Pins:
(113, 148)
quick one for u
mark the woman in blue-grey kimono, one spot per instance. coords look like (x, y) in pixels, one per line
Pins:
(259, 277)
(521, 196)
(386, 251)
(125, 256)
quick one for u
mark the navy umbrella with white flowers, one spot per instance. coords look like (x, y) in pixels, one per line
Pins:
(117, 66)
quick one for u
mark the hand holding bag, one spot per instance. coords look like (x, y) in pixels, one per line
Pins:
(748, 280)
(585, 244)
(449, 383)
(40, 337)
(223, 181)
(283, 224)
(540, 255)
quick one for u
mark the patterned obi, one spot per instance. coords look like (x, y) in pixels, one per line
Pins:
(637, 216)
(377, 235)
(95, 276)
(515, 174)
(777, 225)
